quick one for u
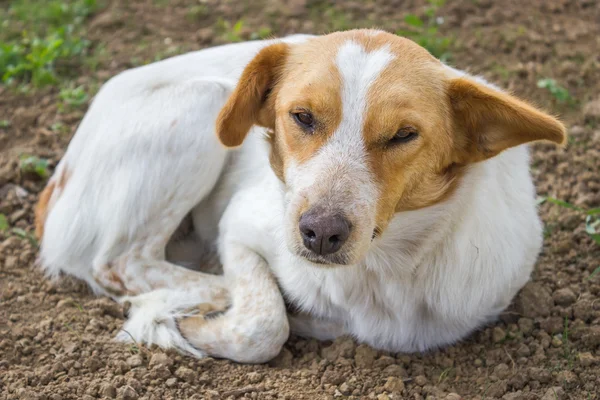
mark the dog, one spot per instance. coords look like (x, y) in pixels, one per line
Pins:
(343, 184)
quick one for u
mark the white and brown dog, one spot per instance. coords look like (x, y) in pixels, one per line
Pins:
(381, 193)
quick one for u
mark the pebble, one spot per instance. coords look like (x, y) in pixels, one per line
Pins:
(586, 359)
(394, 385)
(498, 334)
(135, 361)
(421, 380)
(108, 390)
(564, 297)
(171, 382)
(365, 356)
(188, 375)
(534, 300)
(127, 393)
(502, 371)
(160, 359)
(554, 393)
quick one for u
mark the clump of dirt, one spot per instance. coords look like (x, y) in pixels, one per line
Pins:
(56, 338)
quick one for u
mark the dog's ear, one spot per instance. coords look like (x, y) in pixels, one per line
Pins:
(250, 103)
(487, 121)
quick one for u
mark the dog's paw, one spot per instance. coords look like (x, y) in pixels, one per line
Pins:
(152, 318)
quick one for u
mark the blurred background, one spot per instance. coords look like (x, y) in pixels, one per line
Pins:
(55, 55)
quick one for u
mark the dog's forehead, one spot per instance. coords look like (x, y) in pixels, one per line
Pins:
(347, 64)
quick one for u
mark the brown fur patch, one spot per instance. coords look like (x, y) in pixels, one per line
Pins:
(41, 209)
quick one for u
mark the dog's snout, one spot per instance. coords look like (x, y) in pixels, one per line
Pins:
(323, 233)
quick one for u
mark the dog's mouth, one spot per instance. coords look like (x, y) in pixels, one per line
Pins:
(324, 261)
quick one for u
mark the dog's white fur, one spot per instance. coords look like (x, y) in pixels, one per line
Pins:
(146, 155)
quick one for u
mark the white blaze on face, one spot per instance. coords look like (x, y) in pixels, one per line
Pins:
(338, 177)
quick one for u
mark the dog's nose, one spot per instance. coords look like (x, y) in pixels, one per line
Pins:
(323, 233)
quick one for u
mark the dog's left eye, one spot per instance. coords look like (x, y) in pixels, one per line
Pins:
(404, 135)
(304, 119)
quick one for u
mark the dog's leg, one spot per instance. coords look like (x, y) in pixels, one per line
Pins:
(307, 326)
(255, 326)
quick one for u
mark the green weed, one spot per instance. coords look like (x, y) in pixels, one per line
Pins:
(72, 97)
(559, 93)
(231, 33)
(262, 33)
(4, 123)
(41, 41)
(3, 223)
(425, 31)
(22, 233)
(35, 165)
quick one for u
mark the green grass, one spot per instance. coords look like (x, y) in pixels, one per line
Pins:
(41, 41)
(72, 97)
(425, 31)
(560, 94)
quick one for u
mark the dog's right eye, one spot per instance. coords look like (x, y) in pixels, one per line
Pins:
(304, 119)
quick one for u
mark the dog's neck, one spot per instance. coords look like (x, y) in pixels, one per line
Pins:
(412, 235)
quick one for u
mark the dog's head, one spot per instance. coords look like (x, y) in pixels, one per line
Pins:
(364, 124)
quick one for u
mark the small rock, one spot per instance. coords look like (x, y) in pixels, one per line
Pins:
(345, 389)
(365, 356)
(93, 364)
(518, 395)
(453, 396)
(554, 393)
(384, 361)
(556, 342)
(525, 325)
(254, 377)
(564, 297)
(553, 325)
(65, 303)
(586, 359)
(497, 389)
(498, 334)
(332, 377)
(567, 379)
(108, 390)
(534, 300)
(188, 375)
(523, 350)
(394, 385)
(591, 337)
(127, 393)
(395, 370)
(383, 396)
(502, 371)
(341, 347)
(135, 361)
(541, 375)
(171, 382)
(421, 380)
(584, 309)
(160, 359)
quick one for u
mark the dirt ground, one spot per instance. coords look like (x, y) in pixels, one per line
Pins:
(56, 339)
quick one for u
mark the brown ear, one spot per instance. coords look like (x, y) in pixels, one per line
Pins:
(487, 121)
(247, 104)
